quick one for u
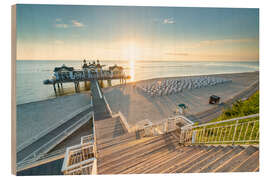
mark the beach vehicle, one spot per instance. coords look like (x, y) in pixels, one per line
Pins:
(181, 108)
(214, 99)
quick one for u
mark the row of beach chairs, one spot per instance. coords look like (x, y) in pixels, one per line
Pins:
(173, 86)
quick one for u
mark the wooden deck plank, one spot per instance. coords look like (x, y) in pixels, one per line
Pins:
(155, 160)
(218, 162)
(250, 165)
(237, 159)
(139, 160)
(136, 152)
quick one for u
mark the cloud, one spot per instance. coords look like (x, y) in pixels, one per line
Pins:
(76, 23)
(61, 25)
(168, 21)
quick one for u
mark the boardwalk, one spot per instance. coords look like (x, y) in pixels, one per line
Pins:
(34, 148)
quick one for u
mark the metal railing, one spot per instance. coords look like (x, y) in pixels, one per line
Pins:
(164, 126)
(87, 139)
(43, 157)
(79, 159)
(84, 168)
(242, 130)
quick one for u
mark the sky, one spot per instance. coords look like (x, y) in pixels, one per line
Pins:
(62, 32)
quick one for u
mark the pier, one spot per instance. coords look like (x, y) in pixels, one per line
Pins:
(88, 73)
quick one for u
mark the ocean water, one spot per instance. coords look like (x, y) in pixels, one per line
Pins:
(30, 74)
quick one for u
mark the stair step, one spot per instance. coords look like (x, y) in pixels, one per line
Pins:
(250, 165)
(123, 148)
(203, 155)
(155, 152)
(132, 156)
(155, 159)
(218, 162)
(132, 151)
(200, 164)
(171, 162)
(158, 161)
(116, 141)
(237, 159)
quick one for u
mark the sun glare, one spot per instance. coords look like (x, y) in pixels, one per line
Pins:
(131, 53)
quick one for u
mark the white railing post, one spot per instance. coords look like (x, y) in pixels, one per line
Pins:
(235, 129)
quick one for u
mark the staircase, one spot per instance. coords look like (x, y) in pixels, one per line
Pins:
(127, 154)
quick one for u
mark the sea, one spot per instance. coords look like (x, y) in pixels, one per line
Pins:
(31, 73)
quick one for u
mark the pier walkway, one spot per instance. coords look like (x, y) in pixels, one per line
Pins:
(52, 138)
(101, 110)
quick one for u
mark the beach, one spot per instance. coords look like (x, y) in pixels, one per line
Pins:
(136, 105)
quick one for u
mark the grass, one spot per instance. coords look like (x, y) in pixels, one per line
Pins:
(241, 108)
(247, 129)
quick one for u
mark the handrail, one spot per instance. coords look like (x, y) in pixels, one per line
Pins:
(237, 132)
(108, 106)
(220, 122)
(164, 126)
(124, 121)
(71, 162)
(34, 160)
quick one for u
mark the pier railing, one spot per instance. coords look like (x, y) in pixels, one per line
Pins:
(242, 130)
(92, 76)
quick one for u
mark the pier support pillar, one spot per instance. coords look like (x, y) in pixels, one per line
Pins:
(76, 87)
(109, 82)
(62, 87)
(101, 83)
(54, 89)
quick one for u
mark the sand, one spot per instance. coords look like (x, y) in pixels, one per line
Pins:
(136, 105)
(35, 117)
